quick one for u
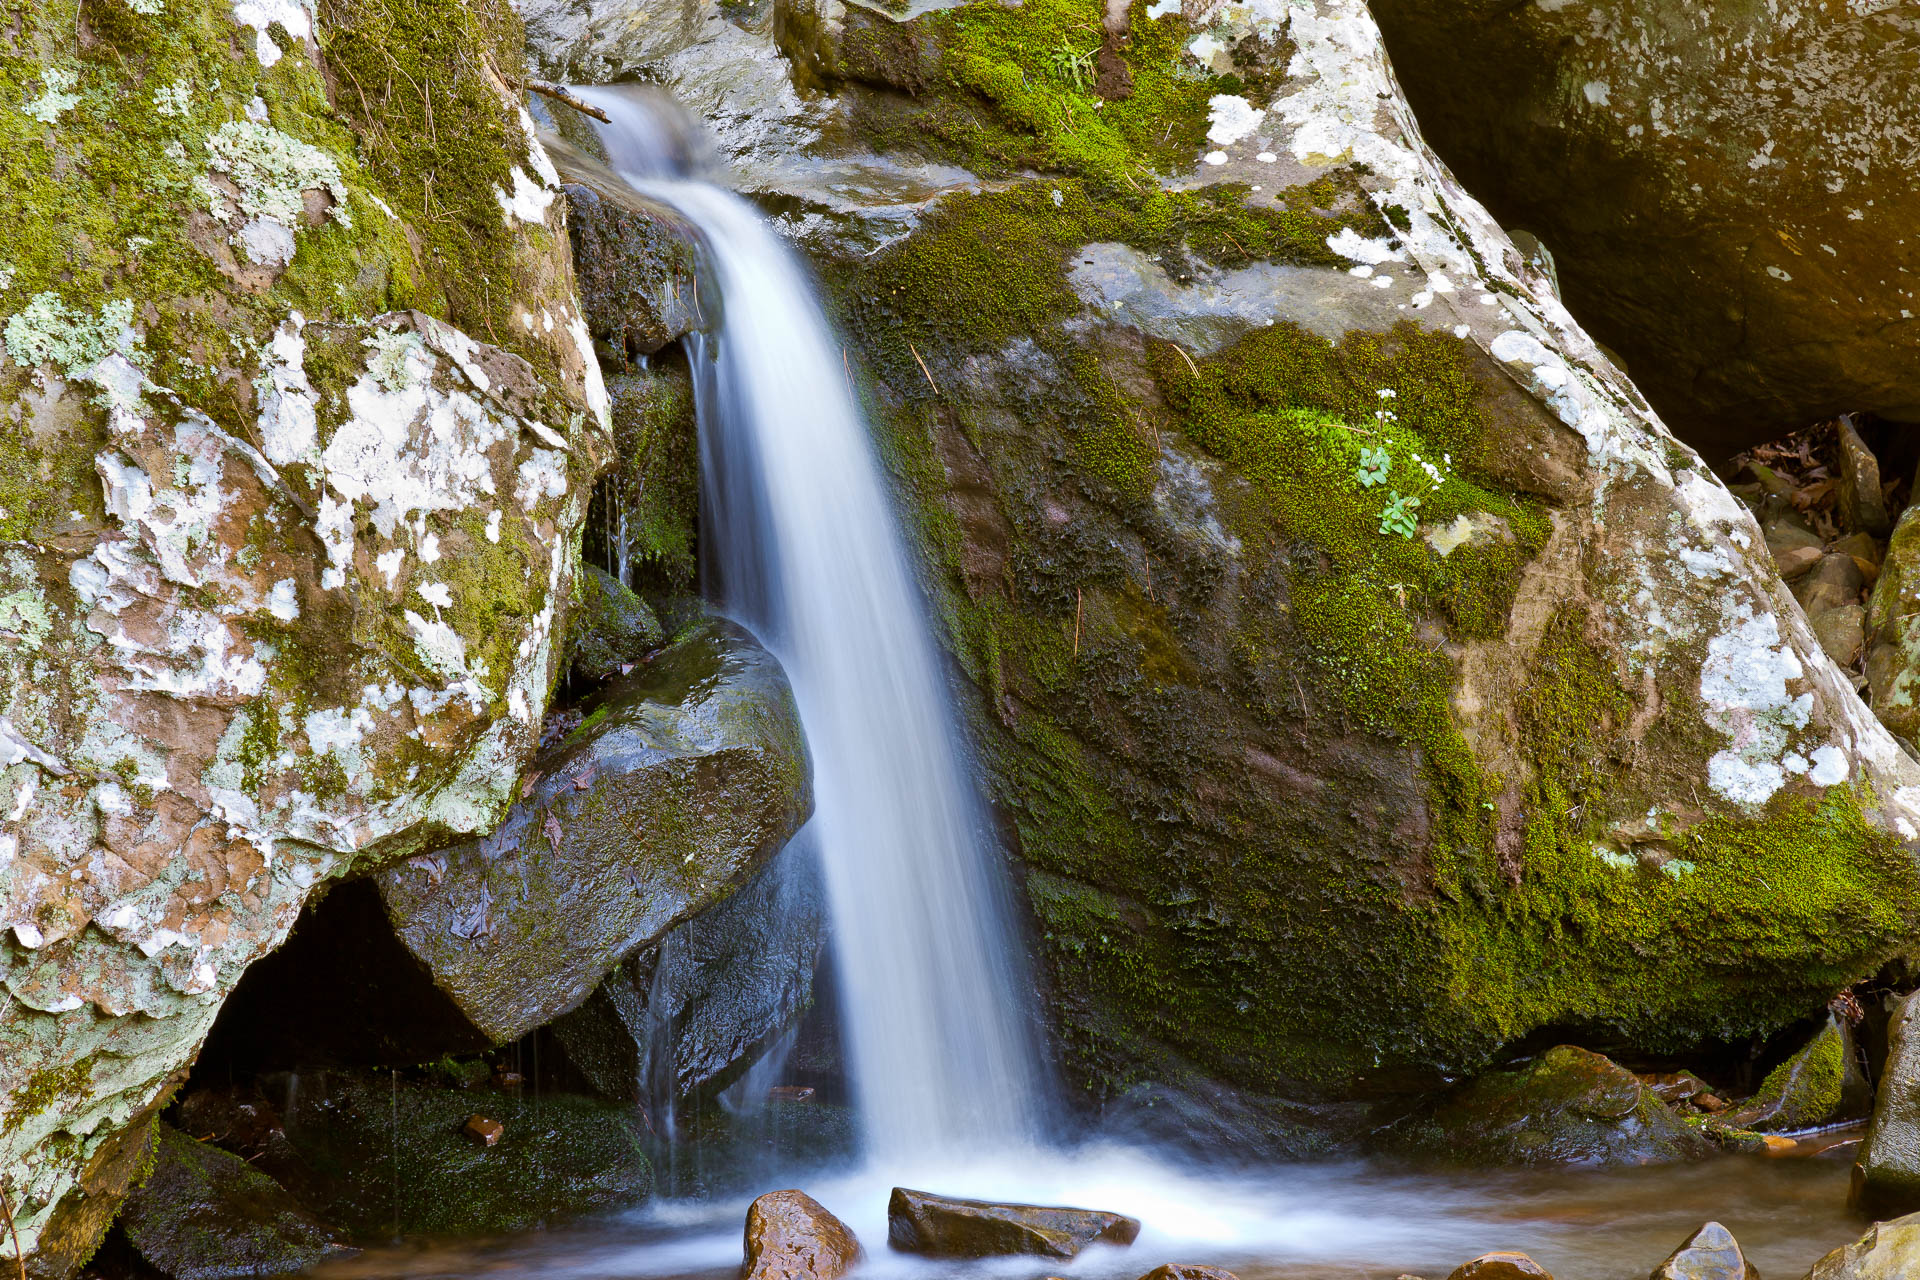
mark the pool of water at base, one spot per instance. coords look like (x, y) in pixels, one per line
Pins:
(1347, 1221)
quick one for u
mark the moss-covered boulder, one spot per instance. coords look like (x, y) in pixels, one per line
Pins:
(685, 777)
(205, 1214)
(382, 1154)
(1568, 1106)
(1886, 1174)
(1726, 188)
(613, 627)
(1365, 674)
(298, 419)
(1824, 1083)
(1889, 1251)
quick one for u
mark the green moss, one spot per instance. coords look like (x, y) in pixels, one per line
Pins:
(53, 1084)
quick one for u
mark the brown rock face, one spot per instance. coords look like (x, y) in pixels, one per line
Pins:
(920, 1222)
(790, 1236)
(1728, 189)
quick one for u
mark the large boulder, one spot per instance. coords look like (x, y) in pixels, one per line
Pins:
(945, 1227)
(205, 1214)
(1886, 1174)
(1319, 792)
(1569, 1106)
(1727, 188)
(684, 778)
(681, 1020)
(298, 417)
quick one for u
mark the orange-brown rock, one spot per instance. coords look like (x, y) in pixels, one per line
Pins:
(791, 1236)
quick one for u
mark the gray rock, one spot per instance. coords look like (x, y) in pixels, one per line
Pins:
(1890, 1251)
(685, 777)
(602, 40)
(1842, 632)
(1886, 1175)
(203, 1214)
(1893, 631)
(1863, 506)
(943, 1227)
(1836, 581)
(635, 261)
(1728, 188)
(684, 1018)
(1711, 1253)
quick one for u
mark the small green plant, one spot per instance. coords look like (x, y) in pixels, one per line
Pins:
(1374, 466)
(1399, 516)
(1072, 64)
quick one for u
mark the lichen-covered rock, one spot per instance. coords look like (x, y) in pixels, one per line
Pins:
(685, 777)
(1569, 1106)
(681, 1020)
(203, 1214)
(1886, 1174)
(297, 424)
(1889, 1251)
(1824, 1083)
(1727, 189)
(1367, 676)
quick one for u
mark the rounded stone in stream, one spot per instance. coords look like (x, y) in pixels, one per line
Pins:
(205, 1214)
(1891, 1251)
(685, 777)
(791, 1236)
(1711, 1253)
(1188, 1271)
(943, 1227)
(1505, 1265)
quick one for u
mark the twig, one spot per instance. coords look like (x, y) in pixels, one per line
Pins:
(1184, 356)
(1076, 622)
(561, 96)
(19, 1258)
(923, 367)
(1149, 561)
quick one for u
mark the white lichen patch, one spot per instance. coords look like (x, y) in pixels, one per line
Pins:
(528, 201)
(273, 171)
(57, 96)
(174, 99)
(1231, 118)
(262, 15)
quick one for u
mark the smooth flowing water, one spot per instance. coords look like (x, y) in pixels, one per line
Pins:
(799, 532)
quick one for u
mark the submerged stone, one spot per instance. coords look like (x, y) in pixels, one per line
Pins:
(1824, 1083)
(943, 1227)
(1886, 1174)
(684, 778)
(1711, 1253)
(205, 1214)
(1569, 1106)
(791, 1236)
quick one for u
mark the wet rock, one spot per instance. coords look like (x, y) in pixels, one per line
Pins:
(1189, 1271)
(1863, 506)
(635, 261)
(204, 1214)
(681, 1020)
(790, 1236)
(595, 41)
(1893, 631)
(1675, 1086)
(1711, 1253)
(381, 1152)
(1890, 1251)
(940, 1226)
(1715, 244)
(614, 627)
(1824, 1083)
(483, 1130)
(1886, 1175)
(1508, 1265)
(684, 778)
(1569, 1106)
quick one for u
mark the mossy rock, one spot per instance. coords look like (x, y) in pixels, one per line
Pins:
(1824, 1083)
(613, 627)
(1568, 1107)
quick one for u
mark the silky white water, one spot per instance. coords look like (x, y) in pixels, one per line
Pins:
(798, 530)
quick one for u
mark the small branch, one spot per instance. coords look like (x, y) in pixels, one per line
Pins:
(1193, 368)
(6, 1206)
(1076, 622)
(561, 96)
(923, 368)
(1149, 561)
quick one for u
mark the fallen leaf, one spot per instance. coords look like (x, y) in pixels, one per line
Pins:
(552, 829)
(580, 783)
(526, 788)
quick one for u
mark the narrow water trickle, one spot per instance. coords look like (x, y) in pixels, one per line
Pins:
(802, 541)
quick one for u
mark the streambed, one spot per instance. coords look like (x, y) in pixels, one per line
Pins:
(1345, 1221)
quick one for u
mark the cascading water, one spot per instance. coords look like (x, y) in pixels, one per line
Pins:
(800, 532)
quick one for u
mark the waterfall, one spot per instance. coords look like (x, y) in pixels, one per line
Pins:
(799, 534)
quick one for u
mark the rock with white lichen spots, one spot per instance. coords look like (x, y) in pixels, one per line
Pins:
(1728, 189)
(293, 449)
